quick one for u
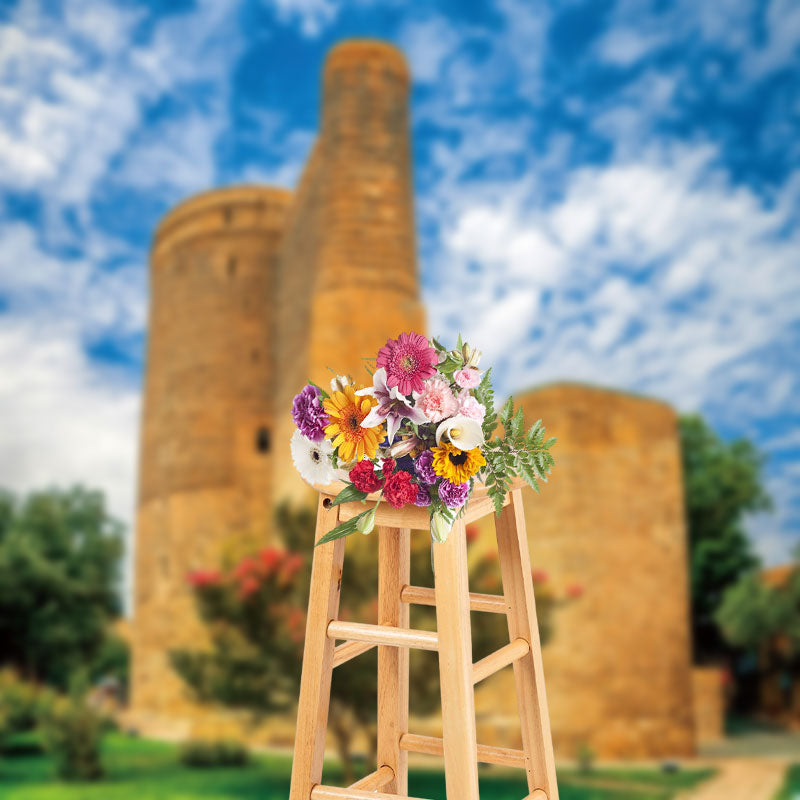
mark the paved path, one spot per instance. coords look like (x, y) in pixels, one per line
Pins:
(741, 779)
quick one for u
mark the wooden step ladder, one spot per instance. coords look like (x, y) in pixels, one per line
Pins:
(392, 635)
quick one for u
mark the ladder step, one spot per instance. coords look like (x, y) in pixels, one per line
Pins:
(349, 650)
(383, 634)
(375, 780)
(320, 792)
(422, 596)
(494, 662)
(537, 794)
(487, 754)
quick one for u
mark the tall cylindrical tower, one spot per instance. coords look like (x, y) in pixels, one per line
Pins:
(611, 521)
(206, 461)
(351, 232)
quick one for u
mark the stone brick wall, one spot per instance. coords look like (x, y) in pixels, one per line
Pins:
(618, 668)
(708, 690)
(253, 291)
(206, 458)
(349, 278)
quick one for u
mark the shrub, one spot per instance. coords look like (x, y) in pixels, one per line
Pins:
(72, 732)
(221, 753)
(21, 704)
(586, 756)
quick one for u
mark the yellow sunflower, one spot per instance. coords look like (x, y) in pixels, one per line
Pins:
(346, 412)
(457, 466)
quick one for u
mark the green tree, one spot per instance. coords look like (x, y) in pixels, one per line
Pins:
(722, 482)
(255, 616)
(765, 621)
(60, 556)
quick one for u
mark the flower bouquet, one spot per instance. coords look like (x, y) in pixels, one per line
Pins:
(423, 433)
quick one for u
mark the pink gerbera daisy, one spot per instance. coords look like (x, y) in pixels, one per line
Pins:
(409, 360)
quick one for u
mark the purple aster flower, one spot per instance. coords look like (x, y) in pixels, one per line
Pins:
(309, 415)
(453, 495)
(423, 466)
(423, 498)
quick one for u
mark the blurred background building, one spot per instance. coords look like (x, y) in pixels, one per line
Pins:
(253, 291)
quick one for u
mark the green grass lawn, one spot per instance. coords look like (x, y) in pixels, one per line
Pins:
(791, 787)
(139, 769)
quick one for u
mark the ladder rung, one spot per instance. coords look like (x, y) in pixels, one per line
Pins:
(494, 662)
(344, 652)
(537, 794)
(487, 754)
(320, 792)
(383, 634)
(375, 780)
(422, 596)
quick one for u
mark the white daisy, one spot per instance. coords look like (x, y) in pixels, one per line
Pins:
(312, 459)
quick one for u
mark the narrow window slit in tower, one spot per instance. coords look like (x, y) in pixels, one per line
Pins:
(227, 215)
(262, 440)
(231, 266)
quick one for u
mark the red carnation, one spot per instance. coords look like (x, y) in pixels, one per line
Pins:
(364, 478)
(388, 467)
(399, 490)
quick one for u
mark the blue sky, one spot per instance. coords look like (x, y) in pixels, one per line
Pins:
(621, 179)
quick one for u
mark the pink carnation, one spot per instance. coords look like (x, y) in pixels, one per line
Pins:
(437, 400)
(468, 406)
(467, 378)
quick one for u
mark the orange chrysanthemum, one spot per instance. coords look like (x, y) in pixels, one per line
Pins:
(346, 412)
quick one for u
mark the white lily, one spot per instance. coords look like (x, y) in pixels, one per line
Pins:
(440, 528)
(462, 432)
(366, 523)
(404, 447)
(339, 382)
(392, 407)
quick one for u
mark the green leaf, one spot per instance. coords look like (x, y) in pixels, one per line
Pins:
(506, 411)
(348, 495)
(517, 423)
(343, 529)
(322, 392)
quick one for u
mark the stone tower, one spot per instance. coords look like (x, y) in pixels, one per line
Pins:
(206, 462)
(253, 292)
(611, 520)
(349, 277)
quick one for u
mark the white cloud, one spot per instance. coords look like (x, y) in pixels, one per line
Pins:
(76, 90)
(654, 274)
(65, 420)
(625, 46)
(760, 38)
(428, 42)
(313, 16)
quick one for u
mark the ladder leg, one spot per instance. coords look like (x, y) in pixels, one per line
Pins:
(515, 566)
(315, 683)
(455, 666)
(393, 574)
